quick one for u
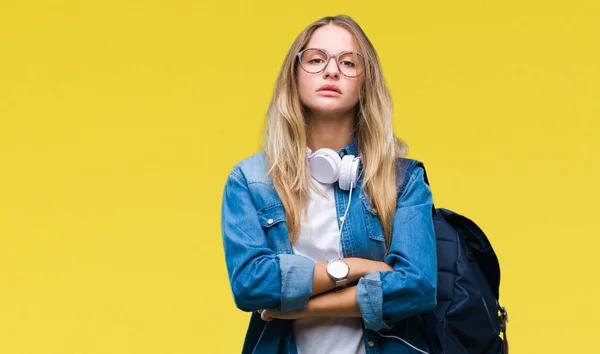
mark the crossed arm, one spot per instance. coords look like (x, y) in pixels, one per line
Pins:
(296, 286)
(332, 304)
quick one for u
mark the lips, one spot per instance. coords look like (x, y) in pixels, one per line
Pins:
(330, 88)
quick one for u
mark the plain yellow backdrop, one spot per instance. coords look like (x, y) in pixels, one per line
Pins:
(120, 120)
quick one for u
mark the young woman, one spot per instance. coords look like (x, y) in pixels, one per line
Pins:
(319, 245)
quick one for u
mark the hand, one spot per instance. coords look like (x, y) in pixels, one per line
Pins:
(380, 266)
(370, 266)
(386, 267)
(269, 315)
(360, 267)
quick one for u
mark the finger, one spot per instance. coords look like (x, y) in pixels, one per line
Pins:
(265, 317)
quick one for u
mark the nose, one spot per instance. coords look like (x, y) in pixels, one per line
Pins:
(331, 69)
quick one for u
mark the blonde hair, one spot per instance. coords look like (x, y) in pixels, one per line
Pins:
(286, 134)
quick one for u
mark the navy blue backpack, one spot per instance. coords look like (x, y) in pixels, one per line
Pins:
(468, 317)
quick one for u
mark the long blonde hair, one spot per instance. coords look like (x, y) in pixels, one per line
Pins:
(286, 134)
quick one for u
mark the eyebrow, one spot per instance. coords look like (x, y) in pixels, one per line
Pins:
(326, 51)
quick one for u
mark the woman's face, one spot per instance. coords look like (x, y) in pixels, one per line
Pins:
(325, 101)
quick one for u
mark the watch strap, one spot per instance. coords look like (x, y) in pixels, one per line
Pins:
(341, 282)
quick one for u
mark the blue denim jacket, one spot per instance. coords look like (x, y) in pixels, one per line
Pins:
(264, 273)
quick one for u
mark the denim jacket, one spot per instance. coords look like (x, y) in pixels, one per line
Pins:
(264, 273)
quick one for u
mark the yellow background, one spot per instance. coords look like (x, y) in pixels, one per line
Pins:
(119, 121)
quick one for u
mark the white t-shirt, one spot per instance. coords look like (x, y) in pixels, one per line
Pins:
(319, 240)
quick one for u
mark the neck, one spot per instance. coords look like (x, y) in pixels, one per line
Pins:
(330, 132)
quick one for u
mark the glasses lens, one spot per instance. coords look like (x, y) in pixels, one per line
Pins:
(351, 64)
(313, 60)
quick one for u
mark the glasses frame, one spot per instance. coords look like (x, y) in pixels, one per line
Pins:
(329, 56)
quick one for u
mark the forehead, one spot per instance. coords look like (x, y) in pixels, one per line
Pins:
(334, 39)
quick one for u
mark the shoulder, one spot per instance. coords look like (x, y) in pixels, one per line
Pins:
(411, 180)
(407, 170)
(252, 169)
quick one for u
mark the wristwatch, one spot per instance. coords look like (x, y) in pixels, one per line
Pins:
(338, 270)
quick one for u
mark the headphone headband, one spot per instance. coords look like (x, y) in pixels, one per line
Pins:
(326, 166)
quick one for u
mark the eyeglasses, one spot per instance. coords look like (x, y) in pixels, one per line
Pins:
(313, 61)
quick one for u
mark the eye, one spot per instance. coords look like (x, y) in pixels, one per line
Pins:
(347, 63)
(315, 61)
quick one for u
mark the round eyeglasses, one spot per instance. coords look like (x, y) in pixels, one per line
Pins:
(313, 61)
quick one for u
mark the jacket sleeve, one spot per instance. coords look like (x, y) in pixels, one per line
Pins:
(259, 278)
(385, 298)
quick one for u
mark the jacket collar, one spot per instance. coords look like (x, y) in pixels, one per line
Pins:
(350, 149)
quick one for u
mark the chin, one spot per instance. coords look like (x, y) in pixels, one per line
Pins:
(333, 108)
(331, 114)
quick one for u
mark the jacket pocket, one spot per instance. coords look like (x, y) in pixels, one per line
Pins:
(272, 219)
(271, 215)
(374, 228)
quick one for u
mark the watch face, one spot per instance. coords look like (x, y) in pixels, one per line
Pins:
(338, 269)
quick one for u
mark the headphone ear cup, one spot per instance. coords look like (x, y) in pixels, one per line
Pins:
(324, 165)
(354, 171)
(348, 172)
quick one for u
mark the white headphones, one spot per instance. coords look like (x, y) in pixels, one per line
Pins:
(326, 166)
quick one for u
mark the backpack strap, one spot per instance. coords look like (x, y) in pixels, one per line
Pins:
(503, 320)
(404, 169)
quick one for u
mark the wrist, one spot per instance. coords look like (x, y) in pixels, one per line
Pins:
(359, 267)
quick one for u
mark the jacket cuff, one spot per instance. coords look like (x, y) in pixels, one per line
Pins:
(296, 281)
(369, 297)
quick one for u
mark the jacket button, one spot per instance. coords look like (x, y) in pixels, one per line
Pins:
(270, 221)
(371, 344)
